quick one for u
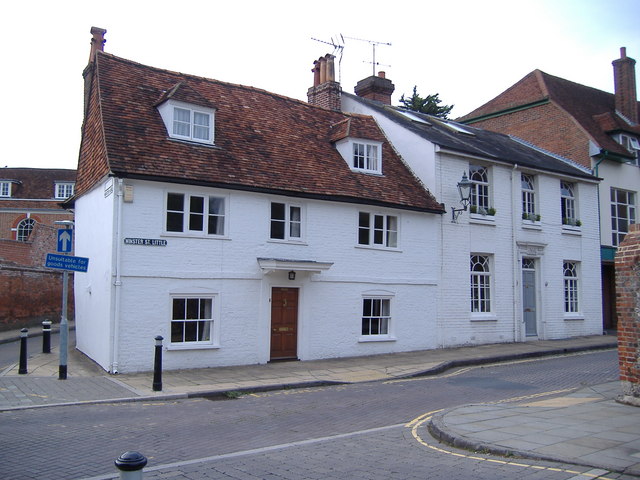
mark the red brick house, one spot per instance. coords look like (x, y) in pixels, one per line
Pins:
(30, 203)
(594, 128)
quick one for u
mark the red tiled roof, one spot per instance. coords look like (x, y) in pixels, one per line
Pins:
(263, 141)
(35, 184)
(592, 109)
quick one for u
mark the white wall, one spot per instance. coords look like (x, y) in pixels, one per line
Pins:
(93, 290)
(621, 176)
(330, 303)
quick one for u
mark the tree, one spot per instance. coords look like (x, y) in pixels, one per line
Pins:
(429, 105)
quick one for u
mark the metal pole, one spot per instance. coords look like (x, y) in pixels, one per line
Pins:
(22, 369)
(64, 329)
(46, 336)
(130, 465)
(157, 365)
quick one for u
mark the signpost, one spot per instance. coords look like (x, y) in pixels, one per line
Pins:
(66, 263)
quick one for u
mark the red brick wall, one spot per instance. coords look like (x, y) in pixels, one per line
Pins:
(628, 307)
(546, 126)
(30, 295)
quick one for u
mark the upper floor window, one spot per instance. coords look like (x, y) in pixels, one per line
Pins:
(529, 197)
(632, 144)
(623, 214)
(64, 189)
(24, 229)
(200, 214)
(479, 176)
(480, 284)
(5, 189)
(188, 122)
(570, 274)
(286, 221)
(377, 230)
(568, 204)
(366, 157)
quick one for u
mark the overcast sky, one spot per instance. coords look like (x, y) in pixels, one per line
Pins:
(467, 51)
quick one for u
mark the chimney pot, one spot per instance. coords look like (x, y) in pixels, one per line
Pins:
(382, 74)
(97, 42)
(623, 52)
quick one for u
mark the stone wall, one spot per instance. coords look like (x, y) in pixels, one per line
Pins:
(628, 307)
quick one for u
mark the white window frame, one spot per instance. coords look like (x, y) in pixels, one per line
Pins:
(480, 188)
(381, 231)
(568, 203)
(288, 222)
(5, 189)
(481, 279)
(382, 330)
(528, 188)
(626, 205)
(632, 144)
(64, 190)
(571, 278)
(207, 323)
(190, 216)
(24, 229)
(168, 113)
(366, 157)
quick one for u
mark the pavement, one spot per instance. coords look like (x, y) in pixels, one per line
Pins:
(584, 427)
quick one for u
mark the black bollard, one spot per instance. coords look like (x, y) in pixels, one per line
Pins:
(157, 366)
(130, 465)
(22, 369)
(46, 336)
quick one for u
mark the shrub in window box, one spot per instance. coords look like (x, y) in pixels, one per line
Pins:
(491, 212)
(473, 209)
(533, 217)
(571, 221)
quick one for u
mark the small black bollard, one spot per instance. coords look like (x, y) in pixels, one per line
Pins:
(46, 336)
(157, 366)
(22, 369)
(130, 465)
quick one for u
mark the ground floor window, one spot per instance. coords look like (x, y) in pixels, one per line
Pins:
(480, 284)
(191, 320)
(571, 287)
(376, 316)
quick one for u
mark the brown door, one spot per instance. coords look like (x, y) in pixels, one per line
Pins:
(284, 323)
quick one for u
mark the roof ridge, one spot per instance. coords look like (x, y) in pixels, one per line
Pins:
(208, 79)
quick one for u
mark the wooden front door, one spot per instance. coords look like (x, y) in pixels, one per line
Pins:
(284, 323)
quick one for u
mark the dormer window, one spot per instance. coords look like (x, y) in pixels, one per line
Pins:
(188, 122)
(5, 189)
(361, 155)
(632, 144)
(64, 190)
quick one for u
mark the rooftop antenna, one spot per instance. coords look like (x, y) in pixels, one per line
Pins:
(373, 44)
(338, 47)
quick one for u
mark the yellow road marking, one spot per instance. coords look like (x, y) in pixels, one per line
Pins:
(422, 419)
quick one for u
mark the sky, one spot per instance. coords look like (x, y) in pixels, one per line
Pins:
(467, 51)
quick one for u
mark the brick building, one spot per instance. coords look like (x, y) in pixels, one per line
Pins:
(594, 128)
(30, 203)
(628, 301)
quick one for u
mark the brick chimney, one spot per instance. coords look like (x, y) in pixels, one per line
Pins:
(624, 78)
(97, 43)
(325, 91)
(376, 88)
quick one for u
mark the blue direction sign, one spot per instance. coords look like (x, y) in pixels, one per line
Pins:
(67, 262)
(65, 237)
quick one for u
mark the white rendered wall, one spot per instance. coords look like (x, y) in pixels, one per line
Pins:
(93, 291)
(621, 176)
(330, 303)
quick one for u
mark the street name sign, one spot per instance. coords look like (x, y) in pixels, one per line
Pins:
(147, 242)
(67, 262)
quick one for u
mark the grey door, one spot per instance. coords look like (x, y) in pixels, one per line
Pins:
(529, 298)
